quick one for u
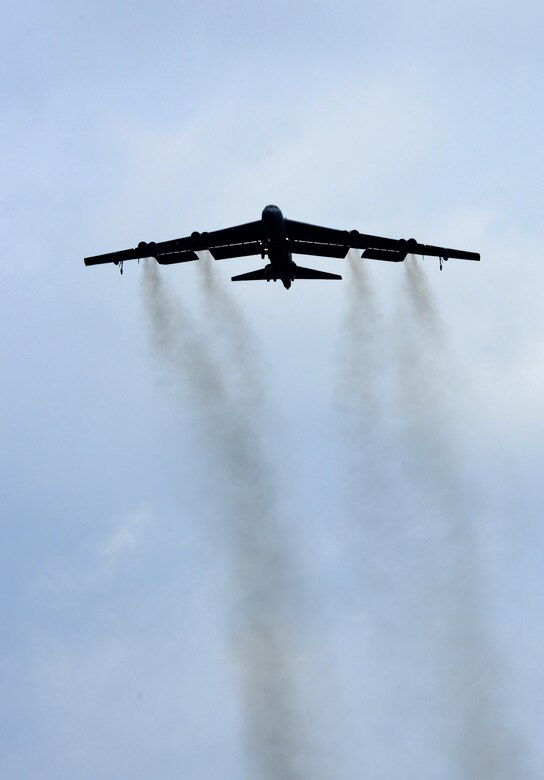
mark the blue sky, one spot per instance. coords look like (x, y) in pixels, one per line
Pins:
(380, 615)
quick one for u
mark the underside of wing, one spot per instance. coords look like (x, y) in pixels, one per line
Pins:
(328, 242)
(444, 252)
(236, 241)
(141, 251)
(304, 233)
(412, 247)
(318, 249)
(237, 235)
(236, 250)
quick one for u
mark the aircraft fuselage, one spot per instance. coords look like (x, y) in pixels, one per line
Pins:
(281, 264)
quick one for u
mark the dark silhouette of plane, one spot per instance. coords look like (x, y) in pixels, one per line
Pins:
(278, 239)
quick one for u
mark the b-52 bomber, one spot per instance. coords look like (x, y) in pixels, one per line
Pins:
(278, 239)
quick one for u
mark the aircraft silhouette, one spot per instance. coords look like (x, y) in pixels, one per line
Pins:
(278, 239)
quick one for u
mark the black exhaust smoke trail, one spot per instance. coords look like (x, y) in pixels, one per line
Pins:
(267, 657)
(261, 568)
(416, 543)
(180, 345)
(358, 387)
(365, 360)
(484, 745)
(374, 529)
(233, 331)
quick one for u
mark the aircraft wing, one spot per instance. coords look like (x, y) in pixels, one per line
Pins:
(328, 242)
(237, 241)
(247, 239)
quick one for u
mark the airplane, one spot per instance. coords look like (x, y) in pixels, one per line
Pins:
(278, 239)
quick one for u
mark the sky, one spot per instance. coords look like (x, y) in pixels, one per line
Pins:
(250, 532)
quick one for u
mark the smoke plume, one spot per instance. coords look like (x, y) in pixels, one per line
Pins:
(482, 743)
(358, 385)
(225, 395)
(233, 332)
(417, 544)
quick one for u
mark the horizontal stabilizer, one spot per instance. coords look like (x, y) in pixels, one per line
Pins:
(250, 276)
(299, 273)
(312, 273)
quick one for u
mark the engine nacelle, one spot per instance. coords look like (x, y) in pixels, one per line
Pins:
(407, 246)
(147, 249)
(201, 241)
